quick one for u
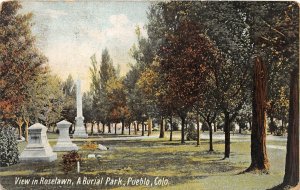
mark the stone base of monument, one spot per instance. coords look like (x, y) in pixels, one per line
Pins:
(38, 147)
(64, 142)
(80, 134)
(39, 154)
(65, 147)
(79, 129)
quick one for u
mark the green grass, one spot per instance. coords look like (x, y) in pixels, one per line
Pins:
(185, 166)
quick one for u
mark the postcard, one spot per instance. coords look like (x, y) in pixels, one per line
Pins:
(197, 95)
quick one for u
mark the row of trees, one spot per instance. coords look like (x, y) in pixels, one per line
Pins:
(201, 61)
(206, 60)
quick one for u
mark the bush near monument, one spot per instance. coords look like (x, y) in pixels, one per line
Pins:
(9, 153)
(69, 161)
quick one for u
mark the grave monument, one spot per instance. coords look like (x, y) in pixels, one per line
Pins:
(79, 126)
(38, 147)
(64, 142)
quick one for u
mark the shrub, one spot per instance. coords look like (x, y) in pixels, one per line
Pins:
(175, 126)
(70, 161)
(273, 127)
(9, 153)
(191, 133)
(205, 127)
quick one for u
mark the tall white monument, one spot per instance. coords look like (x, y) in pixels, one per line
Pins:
(79, 126)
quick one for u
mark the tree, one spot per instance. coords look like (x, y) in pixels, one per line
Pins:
(165, 20)
(182, 61)
(275, 37)
(100, 78)
(291, 175)
(141, 104)
(20, 61)
(207, 108)
(117, 98)
(149, 85)
(209, 116)
(133, 99)
(95, 91)
(259, 158)
(69, 91)
(107, 72)
(231, 77)
(88, 110)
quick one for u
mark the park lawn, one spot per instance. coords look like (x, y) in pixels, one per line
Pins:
(184, 166)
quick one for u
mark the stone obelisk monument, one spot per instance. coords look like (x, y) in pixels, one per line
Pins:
(79, 126)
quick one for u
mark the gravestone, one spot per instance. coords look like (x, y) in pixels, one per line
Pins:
(79, 126)
(91, 156)
(21, 140)
(64, 142)
(38, 147)
(101, 147)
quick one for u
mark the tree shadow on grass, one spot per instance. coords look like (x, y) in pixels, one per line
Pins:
(283, 186)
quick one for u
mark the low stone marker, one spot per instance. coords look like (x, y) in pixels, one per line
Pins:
(91, 156)
(101, 147)
(38, 147)
(21, 140)
(64, 142)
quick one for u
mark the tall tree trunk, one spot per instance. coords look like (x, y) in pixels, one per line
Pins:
(227, 134)
(143, 129)
(171, 124)
(282, 127)
(103, 128)
(109, 127)
(215, 127)
(259, 158)
(210, 136)
(20, 122)
(26, 129)
(198, 130)
(149, 126)
(272, 121)
(162, 128)
(98, 127)
(250, 125)
(182, 129)
(72, 128)
(123, 126)
(129, 126)
(115, 128)
(135, 128)
(92, 129)
(291, 176)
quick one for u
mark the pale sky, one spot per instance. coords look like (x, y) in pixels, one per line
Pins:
(69, 33)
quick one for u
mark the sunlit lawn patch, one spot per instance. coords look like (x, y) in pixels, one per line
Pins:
(186, 166)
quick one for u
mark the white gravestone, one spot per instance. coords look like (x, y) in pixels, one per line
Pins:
(64, 142)
(101, 147)
(38, 147)
(79, 127)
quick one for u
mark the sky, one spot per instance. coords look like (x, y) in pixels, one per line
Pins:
(69, 33)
